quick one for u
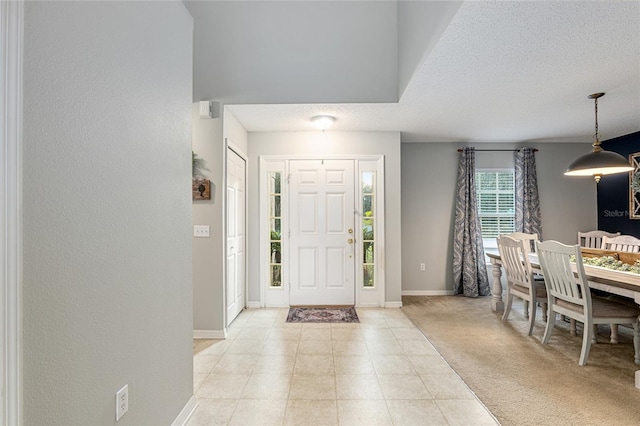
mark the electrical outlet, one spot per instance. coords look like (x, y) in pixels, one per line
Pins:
(201, 231)
(122, 402)
(423, 267)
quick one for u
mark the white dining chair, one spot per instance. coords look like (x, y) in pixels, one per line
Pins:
(626, 243)
(569, 295)
(593, 239)
(530, 247)
(520, 280)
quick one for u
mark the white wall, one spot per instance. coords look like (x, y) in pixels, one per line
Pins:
(107, 211)
(331, 143)
(428, 204)
(278, 51)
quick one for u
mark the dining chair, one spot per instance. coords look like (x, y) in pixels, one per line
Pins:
(593, 239)
(569, 295)
(530, 247)
(626, 243)
(529, 240)
(520, 280)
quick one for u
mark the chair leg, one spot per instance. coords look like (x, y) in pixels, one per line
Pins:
(551, 322)
(532, 315)
(614, 333)
(594, 334)
(526, 308)
(586, 343)
(636, 341)
(544, 311)
(507, 307)
(572, 327)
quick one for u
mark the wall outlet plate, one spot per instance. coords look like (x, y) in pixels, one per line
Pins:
(201, 231)
(122, 402)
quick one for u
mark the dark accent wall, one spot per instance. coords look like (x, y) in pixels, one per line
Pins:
(613, 191)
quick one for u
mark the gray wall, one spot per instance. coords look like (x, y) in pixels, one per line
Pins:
(107, 211)
(568, 205)
(208, 255)
(331, 143)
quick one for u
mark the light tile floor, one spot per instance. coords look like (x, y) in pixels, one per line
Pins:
(381, 371)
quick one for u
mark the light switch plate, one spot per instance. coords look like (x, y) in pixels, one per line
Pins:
(201, 231)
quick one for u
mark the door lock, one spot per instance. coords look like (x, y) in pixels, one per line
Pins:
(350, 230)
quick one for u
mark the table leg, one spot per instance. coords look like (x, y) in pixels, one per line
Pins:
(497, 304)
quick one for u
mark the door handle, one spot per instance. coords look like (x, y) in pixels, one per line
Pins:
(350, 240)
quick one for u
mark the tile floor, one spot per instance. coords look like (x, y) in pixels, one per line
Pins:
(381, 371)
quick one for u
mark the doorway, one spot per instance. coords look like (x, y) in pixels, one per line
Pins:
(321, 231)
(321, 211)
(236, 234)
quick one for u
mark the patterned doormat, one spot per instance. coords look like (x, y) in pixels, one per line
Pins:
(315, 314)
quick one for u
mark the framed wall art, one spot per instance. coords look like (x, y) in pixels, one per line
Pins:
(201, 189)
(634, 186)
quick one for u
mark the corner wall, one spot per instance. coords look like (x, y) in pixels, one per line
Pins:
(613, 191)
(429, 172)
(107, 211)
(208, 253)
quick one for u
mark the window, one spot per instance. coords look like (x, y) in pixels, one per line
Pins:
(368, 235)
(496, 203)
(275, 229)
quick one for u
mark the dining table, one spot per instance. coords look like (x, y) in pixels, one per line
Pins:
(621, 283)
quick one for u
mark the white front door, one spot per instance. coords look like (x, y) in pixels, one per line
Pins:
(322, 232)
(236, 258)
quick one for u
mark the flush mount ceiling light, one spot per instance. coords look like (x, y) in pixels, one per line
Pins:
(323, 122)
(598, 162)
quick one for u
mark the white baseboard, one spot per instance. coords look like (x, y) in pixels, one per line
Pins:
(427, 293)
(393, 304)
(209, 334)
(253, 305)
(186, 412)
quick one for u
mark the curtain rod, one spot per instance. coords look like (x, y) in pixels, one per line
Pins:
(494, 150)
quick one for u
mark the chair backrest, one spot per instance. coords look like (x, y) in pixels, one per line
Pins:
(593, 239)
(626, 243)
(529, 240)
(515, 260)
(559, 278)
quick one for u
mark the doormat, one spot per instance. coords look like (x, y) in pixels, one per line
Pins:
(313, 314)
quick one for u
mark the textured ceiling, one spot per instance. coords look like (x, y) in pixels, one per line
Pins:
(499, 71)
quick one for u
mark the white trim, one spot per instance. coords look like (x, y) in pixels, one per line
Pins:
(210, 334)
(393, 305)
(428, 293)
(253, 305)
(11, 52)
(272, 297)
(186, 412)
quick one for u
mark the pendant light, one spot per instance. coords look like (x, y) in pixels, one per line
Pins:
(598, 162)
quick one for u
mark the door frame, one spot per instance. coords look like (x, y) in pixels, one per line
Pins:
(279, 297)
(11, 53)
(230, 146)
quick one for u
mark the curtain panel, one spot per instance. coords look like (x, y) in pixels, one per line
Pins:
(527, 202)
(469, 267)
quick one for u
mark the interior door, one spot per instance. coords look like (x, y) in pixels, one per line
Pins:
(236, 250)
(322, 237)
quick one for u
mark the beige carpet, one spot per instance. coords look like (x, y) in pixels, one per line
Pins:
(522, 381)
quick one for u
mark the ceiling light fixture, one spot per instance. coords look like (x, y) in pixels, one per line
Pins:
(323, 122)
(598, 162)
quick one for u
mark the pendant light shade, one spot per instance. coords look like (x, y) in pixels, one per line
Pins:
(598, 162)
